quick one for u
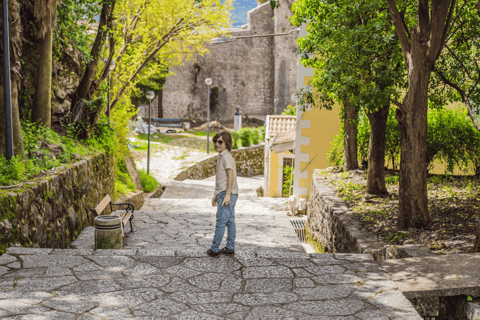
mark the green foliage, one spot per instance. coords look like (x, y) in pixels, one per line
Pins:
(335, 153)
(14, 171)
(255, 136)
(290, 111)
(149, 183)
(262, 132)
(74, 18)
(235, 139)
(451, 139)
(353, 49)
(122, 178)
(245, 136)
(288, 183)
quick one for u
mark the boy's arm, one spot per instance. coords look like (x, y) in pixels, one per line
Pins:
(226, 200)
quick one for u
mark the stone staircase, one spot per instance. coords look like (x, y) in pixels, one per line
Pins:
(164, 273)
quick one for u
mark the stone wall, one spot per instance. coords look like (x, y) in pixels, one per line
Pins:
(332, 223)
(248, 160)
(52, 210)
(258, 74)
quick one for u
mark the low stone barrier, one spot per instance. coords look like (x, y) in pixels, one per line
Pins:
(50, 211)
(332, 223)
(249, 161)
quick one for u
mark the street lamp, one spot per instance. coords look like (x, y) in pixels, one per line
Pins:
(111, 67)
(208, 81)
(230, 39)
(150, 95)
(7, 85)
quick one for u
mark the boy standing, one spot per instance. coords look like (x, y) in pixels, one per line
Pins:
(225, 196)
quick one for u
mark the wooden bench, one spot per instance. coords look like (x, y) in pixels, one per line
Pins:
(125, 216)
(180, 124)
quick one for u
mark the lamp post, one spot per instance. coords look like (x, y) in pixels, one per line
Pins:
(7, 85)
(150, 95)
(111, 67)
(208, 81)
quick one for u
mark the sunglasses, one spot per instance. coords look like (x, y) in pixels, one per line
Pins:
(218, 141)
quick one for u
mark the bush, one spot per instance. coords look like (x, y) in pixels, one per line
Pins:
(290, 111)
(246, 137)
(255, 136)
(262, 132)
(451, 139)
(288, 174)
(235, 138)
(149, 183)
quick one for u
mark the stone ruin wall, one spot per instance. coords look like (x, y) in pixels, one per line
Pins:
(258, 74)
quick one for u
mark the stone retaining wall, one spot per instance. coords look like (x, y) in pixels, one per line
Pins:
(249, 161)
(332, 223)
(50, 211)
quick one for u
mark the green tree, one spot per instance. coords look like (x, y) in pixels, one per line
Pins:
(353, 50)
(423, 28)
(153, 36)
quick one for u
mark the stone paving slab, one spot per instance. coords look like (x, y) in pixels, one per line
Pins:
(142, 284)
(184, 219)
(446, 275)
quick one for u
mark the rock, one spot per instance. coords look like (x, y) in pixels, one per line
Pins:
(39, 155)
(56, 150)
(24, 227)
(133, 172)
(71, 219)
(6, 229)
(76, 157)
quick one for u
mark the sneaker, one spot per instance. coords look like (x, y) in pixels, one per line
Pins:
(227, 252)
(212, 254)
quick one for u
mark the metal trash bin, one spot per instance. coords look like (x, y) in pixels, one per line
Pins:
(108, 232)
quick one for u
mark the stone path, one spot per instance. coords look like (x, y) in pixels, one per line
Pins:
(184, 219)
(165, 273)
(147, 284)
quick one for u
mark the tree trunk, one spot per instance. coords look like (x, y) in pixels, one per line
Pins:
(350, 161)
(15, 65)
(84, 88)
(43, 96)
(160, 103)
(412, 118)
(376, 152)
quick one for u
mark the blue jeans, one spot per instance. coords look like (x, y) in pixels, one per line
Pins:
(225, 217)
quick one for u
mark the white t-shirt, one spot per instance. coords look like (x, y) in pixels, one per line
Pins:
(225, 161)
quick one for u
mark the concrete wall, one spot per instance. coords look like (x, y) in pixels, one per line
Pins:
(51, 211)
(248, 160)
(258, 74)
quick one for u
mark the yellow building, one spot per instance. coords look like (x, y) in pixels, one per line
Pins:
(279, 146)
(315, 130)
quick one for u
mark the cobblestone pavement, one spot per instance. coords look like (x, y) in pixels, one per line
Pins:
(183, 218)
(147, 284)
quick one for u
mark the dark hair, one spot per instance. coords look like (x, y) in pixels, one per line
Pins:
(227, 138)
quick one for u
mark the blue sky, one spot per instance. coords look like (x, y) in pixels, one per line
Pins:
(239, 13)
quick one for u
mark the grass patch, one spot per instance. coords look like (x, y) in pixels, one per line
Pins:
(149, 183)
(313, 241)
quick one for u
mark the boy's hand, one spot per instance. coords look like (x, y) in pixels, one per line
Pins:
(214, 201)
(226, 200)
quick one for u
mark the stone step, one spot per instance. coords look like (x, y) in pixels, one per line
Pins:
(444, 275)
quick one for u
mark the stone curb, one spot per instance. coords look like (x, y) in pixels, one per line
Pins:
(333, 224)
